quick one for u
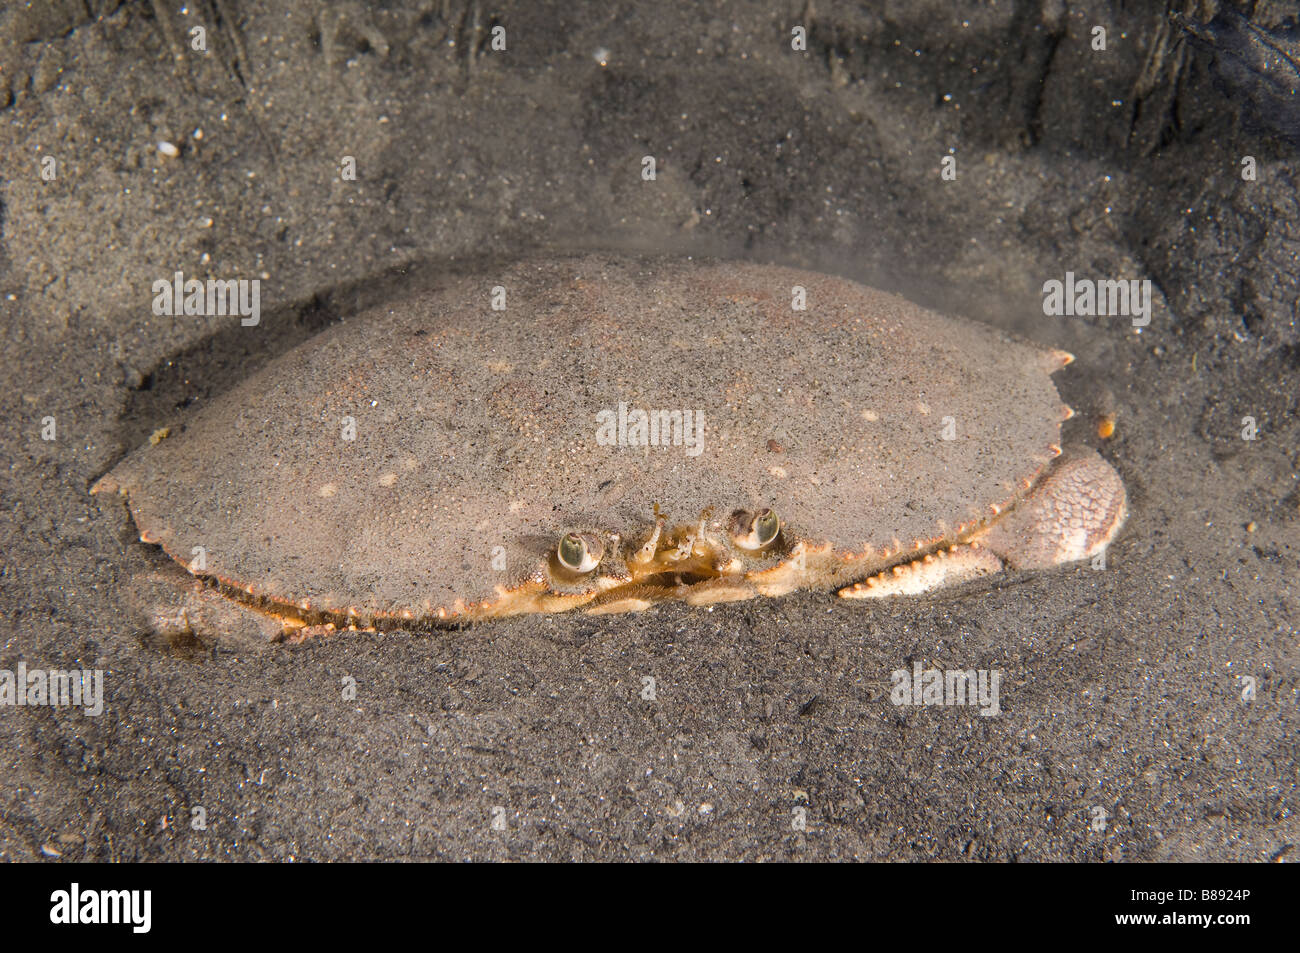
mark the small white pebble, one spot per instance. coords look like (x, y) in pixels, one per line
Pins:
(167, 149)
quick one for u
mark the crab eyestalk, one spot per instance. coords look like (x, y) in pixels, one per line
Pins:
(579, 552)
(755, 532)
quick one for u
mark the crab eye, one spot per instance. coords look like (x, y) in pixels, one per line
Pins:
(754, 531)
(766, 526)
(579, 552)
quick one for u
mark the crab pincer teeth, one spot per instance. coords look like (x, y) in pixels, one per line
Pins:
(857, 587)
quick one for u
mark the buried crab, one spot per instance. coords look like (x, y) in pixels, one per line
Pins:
(439, 461)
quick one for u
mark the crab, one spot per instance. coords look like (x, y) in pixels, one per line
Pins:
(604, 433)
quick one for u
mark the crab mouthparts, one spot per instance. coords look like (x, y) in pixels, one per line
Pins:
(686, 563)
(682, 557)
(686, 551)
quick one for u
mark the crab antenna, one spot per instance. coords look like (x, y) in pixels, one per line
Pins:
(651, 546)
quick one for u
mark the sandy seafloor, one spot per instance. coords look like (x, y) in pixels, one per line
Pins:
(1122, 689)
